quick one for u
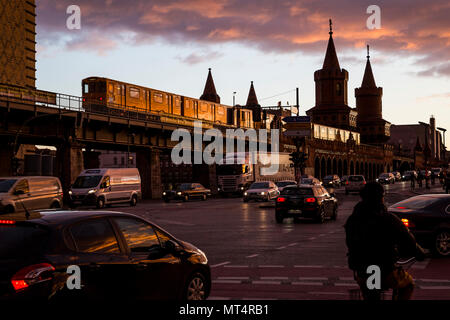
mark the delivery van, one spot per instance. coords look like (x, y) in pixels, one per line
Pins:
(19, 194)
(104, 187)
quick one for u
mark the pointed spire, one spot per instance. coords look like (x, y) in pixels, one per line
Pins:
(368, 79)
(252, 100)
(331, 61)
(209, 93)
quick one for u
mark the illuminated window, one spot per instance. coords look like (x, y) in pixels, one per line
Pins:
(158, 97)
(338, 89)
(134, 93)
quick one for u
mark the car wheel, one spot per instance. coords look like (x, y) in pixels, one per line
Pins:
(166, 200)
(321, 216)
(441, 243)
(100, 203)
(204, 197)
(133, 201)
(279, 217)
(195, 288)
(55, 205)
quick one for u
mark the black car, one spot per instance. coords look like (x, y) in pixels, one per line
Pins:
(187, 191)
(428, 218)
(331, 181)
(120, 256)
(306, 202)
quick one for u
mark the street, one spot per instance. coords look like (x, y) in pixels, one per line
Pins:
(253, 257)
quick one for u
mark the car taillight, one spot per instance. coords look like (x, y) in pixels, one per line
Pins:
(31, 275)
(364, 182)
(346, 182)
(310, 200)
(408, 223)
(281, 199)
(9, 222)
(402, 208)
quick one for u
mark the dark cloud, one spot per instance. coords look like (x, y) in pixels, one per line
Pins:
(410, 28)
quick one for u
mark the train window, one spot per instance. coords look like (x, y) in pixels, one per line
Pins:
(85, 88)
(177, 102)
(134, 93)
(91, 87)
(111, 88)
(101, 87)
(221, 110)
(118, 92)
(158, 97)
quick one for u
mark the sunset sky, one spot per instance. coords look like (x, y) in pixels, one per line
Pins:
(278, 44)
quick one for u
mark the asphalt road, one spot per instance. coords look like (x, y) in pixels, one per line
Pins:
(253, 257)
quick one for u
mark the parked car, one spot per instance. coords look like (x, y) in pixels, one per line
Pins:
(397, 176)
(386, 178)
(428, 218)
(120, 256)
(344, 180)
(29, 193)
(186, 192)
(101, 187)
(306, 202)
(310, 181)
(263, 190)
(408, 174)
(354, 183)
(331, 181)
(282, 184)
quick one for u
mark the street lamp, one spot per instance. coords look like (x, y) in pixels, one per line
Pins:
(234, 98)
(443, 133)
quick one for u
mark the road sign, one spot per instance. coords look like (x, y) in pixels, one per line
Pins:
(302, 119)
(297, 133)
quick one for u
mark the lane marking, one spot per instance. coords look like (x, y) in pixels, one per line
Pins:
(274, 278)
(176, 222)
(220, 264)
(281, 248)
(271, 266)
(346, 285)
(313, 278)
(304, 266)
(233, 278)
(303, 283)
(252, 255)
(432, 280)
(219, 298)
(434, 287)
(292, 244)
(235, 266)
(227, 281)
(266, 282)
(346, 278)
(333, 293)
(421, 265)
(312, 238)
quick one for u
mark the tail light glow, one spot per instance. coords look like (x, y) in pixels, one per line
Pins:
(9, 222)
(31, 275)
(408, 223)
(281, 199)
(310, 200)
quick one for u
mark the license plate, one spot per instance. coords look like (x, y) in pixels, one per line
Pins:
(295, 211)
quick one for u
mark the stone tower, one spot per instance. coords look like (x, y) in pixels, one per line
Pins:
(331, 92)
(373, 129)
(209, 93)
(252, 103)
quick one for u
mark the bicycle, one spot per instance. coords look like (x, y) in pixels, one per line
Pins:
(356, 294)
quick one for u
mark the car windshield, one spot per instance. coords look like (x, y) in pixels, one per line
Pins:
(355, 178)
(259, 185)
(6, 184)
(184, 186)
(297, 191)
(230, 169)
(21, 241)
(384, 175)
(328, 178)
(284, 183)
(84, 182)
(306, 181)
(415, 203)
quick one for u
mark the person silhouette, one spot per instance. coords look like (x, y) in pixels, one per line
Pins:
(376, 237)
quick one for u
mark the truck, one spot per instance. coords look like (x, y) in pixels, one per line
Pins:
(238, 170)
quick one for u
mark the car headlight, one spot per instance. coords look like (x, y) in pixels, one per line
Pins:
(92, 191)
(164, 193)
(179, 193)
(245, 193)
(263, 193)
(242, 188)
(70, 192)
(218, 189)
(376, 180)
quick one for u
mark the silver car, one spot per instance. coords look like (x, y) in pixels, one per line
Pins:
(30, 193)
(354, 183)
(264, 190)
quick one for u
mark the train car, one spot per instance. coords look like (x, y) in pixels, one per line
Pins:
(116, 97)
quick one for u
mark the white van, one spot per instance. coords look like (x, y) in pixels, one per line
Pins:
(102, 187)
(29, 193)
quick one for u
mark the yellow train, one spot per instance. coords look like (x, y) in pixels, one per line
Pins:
(117, 95)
